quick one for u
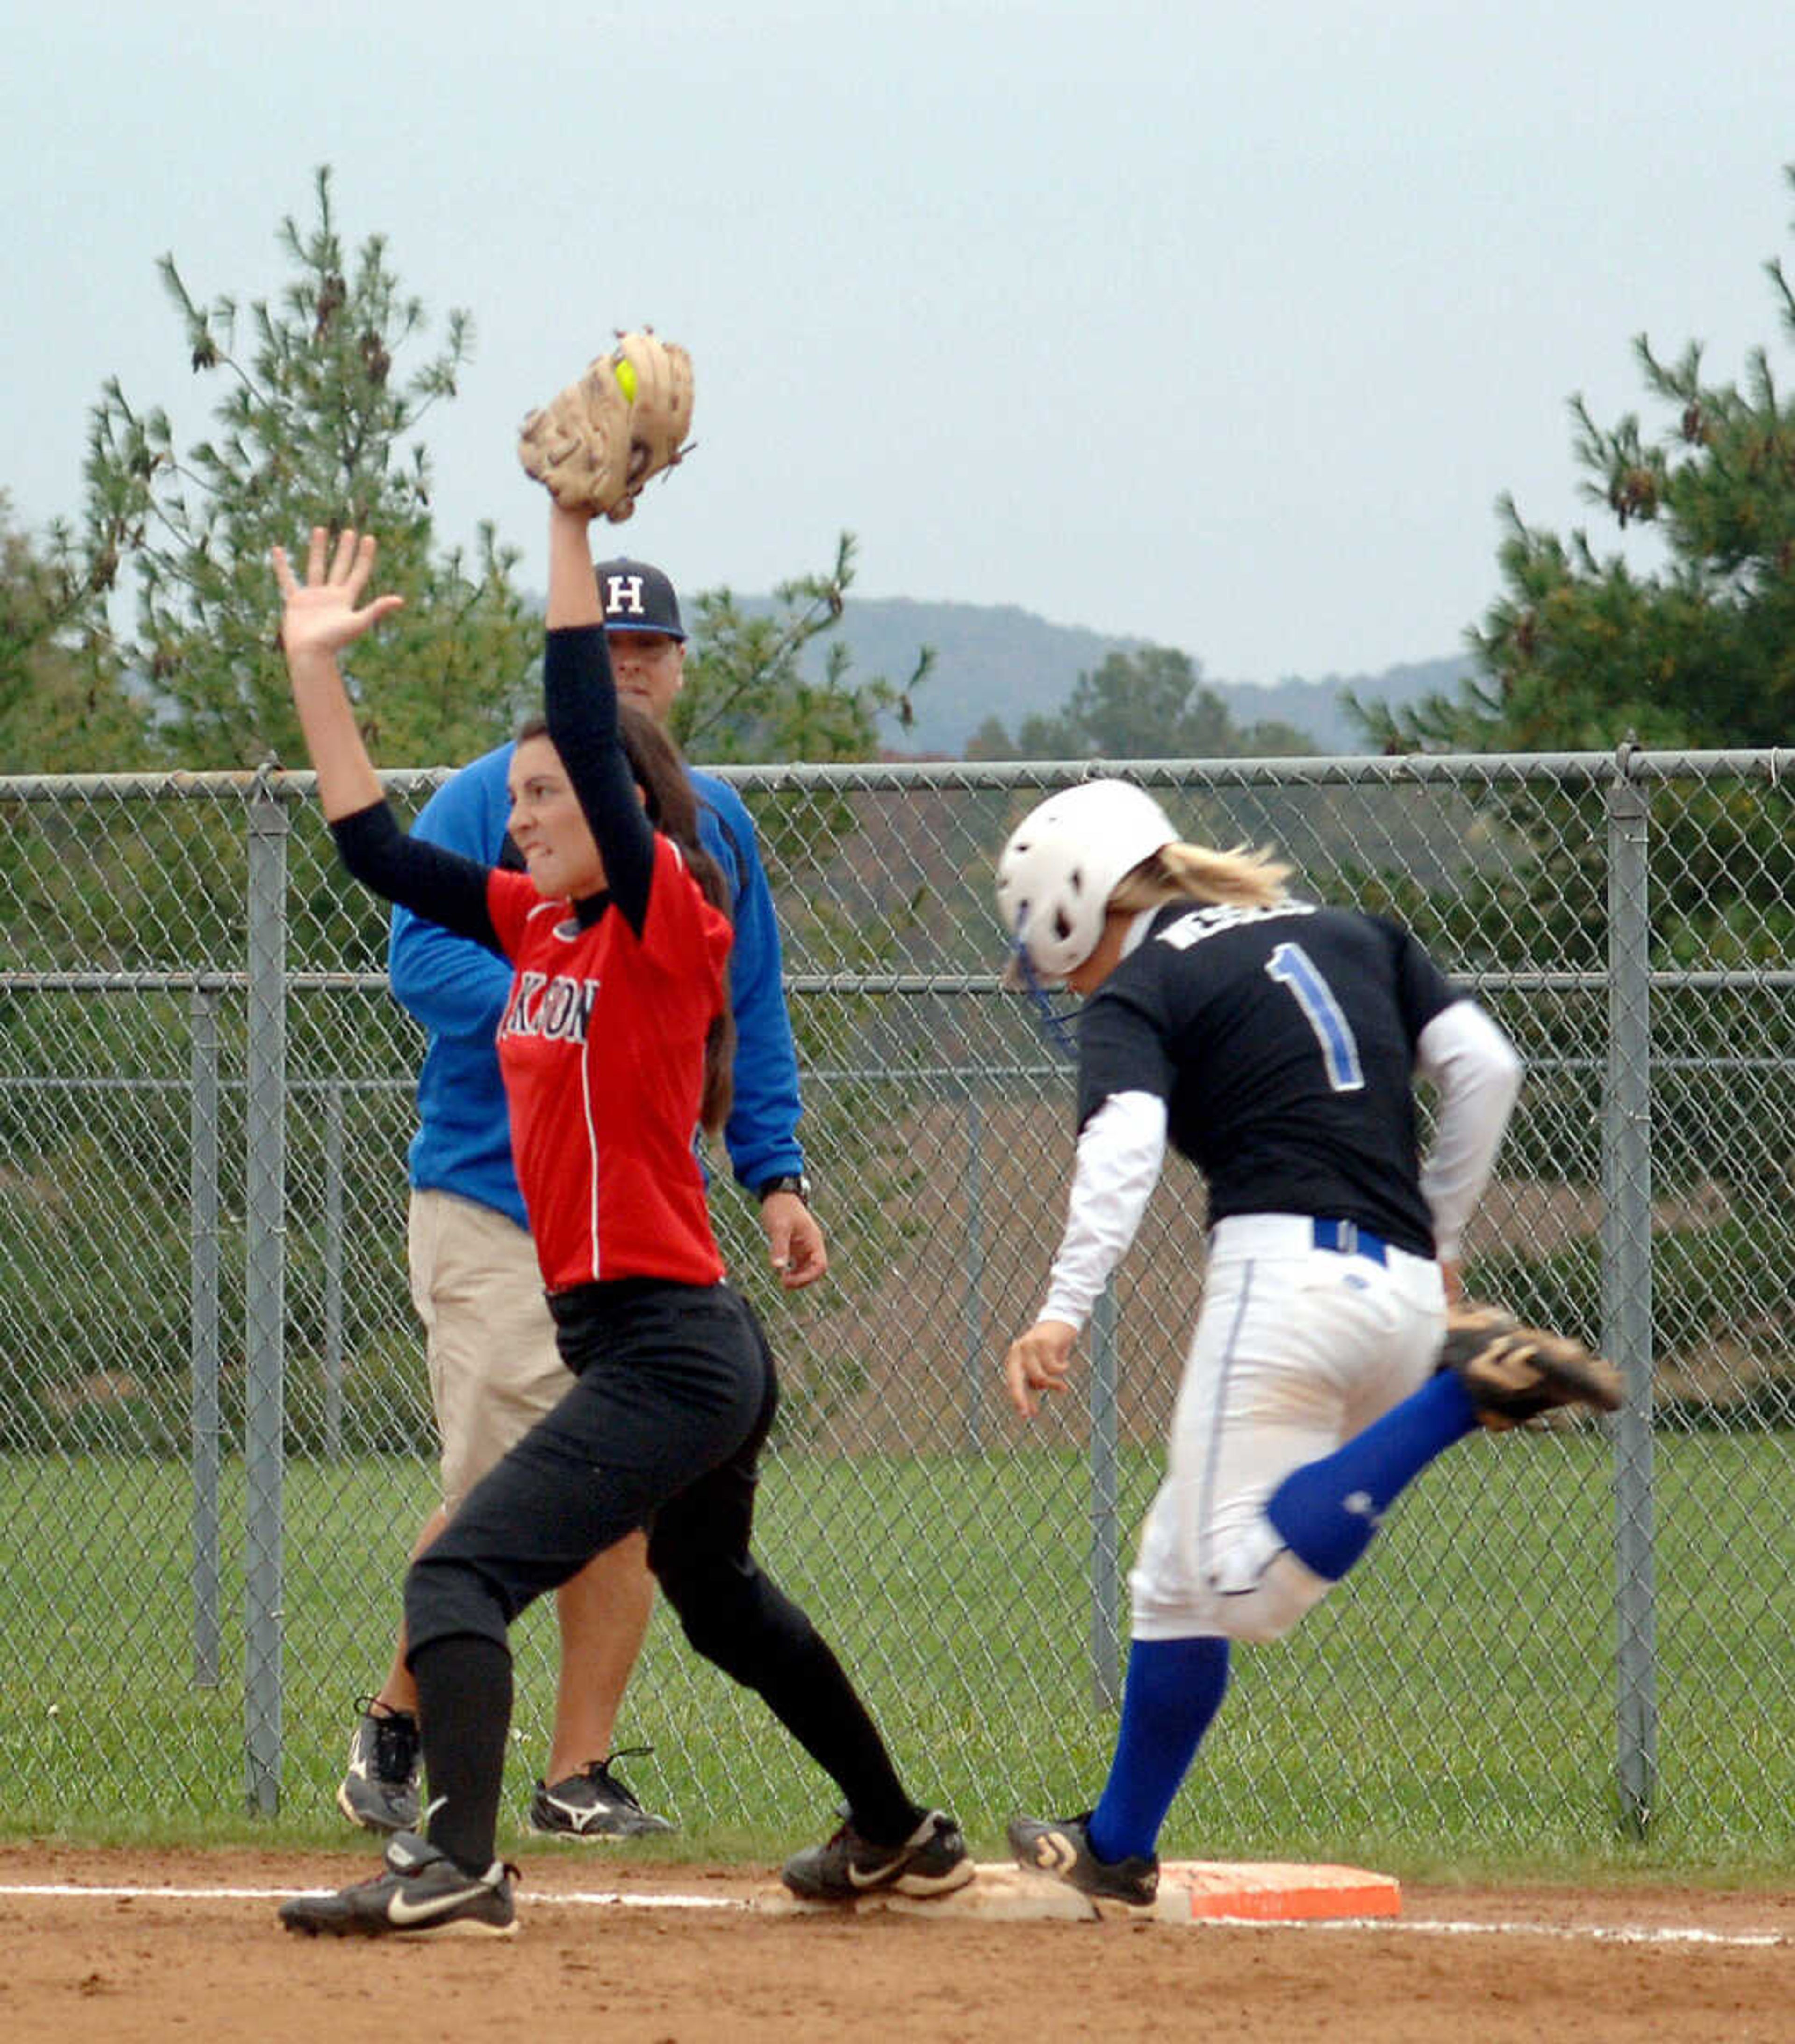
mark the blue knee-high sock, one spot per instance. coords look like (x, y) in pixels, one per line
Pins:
(1326, 1512)
(1175, 1687)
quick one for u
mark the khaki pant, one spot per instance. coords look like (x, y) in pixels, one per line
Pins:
(489, 1340)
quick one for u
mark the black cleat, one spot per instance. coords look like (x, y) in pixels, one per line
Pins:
(932, 1861)
(594, 1803)
(1512, 1374)
(419, 1892)
(1061, 1846)
(380, 1791)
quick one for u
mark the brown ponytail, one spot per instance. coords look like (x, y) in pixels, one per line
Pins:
(672, 808)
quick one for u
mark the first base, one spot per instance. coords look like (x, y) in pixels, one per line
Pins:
(1191, 1891)
(1202, 1891)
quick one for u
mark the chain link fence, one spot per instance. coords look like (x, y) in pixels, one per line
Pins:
(215, 1438)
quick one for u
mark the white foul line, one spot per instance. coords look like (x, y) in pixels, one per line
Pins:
(1620, 1933)
(69, 1891)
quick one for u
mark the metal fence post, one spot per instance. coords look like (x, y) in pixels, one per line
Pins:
(333, 1270)
(1627, 1290)
(1106, 1568)
(264, 1294)
(973, 1252)
(202, 1320)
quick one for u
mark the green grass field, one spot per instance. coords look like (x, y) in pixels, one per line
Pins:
(1451, 1710)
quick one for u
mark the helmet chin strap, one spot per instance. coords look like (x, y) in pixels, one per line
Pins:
(1057, 1025)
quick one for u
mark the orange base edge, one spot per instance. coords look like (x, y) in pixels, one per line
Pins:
(1274, 1893)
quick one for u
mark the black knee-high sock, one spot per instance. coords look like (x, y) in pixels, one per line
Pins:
(764, 1642)
(810, 1694)
(464, 1714)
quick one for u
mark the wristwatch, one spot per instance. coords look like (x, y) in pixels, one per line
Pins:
(788, 1181)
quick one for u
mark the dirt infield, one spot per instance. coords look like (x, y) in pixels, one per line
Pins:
(1470, 1965)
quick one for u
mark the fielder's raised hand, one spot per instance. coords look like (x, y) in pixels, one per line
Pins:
(326, 614)
(320, 618)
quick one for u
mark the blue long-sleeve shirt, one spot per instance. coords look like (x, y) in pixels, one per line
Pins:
(457, 990)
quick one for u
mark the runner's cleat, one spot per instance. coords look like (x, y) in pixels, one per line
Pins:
(1061, 1846)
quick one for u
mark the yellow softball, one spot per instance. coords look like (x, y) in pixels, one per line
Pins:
(625, 372)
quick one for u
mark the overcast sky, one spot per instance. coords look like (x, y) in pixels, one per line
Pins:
(1223, 324)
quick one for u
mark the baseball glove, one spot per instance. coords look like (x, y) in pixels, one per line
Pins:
(1513, 1373)
(594, 445)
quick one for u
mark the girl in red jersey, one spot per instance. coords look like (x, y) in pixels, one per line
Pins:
(612, 1048)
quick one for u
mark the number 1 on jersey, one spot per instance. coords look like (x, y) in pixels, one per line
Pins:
(1292, 966)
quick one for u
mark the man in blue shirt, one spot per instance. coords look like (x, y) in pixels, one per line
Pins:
(489, 1341)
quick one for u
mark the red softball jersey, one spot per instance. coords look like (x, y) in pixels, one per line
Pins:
(602, 1051)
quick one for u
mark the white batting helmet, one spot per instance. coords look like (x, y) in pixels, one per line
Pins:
(1062, 863)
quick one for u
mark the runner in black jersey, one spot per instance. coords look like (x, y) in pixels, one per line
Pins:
(1276, 1043)
(613, 1048)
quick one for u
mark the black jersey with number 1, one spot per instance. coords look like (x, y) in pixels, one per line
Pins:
(1282, 1041)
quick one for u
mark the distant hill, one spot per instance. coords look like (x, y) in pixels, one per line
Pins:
(998, 660)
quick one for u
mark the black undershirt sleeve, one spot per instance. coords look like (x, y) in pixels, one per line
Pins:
(580, 702)
(441, 886)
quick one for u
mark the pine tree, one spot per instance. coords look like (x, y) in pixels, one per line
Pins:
(1582, 650)
(311, 427)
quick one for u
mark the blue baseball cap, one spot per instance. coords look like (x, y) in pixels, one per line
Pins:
(637, 598)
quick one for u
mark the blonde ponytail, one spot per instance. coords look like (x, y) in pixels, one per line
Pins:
(1239, 879)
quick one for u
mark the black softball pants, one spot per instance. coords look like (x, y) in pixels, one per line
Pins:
(675, 1392)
